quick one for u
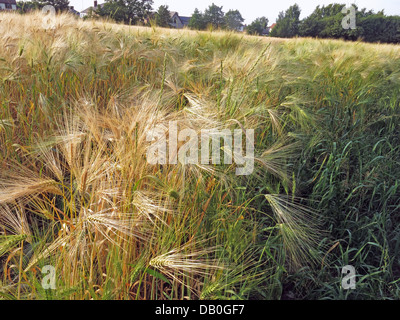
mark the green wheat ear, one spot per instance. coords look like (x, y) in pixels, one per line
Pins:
(209, 291)
(138, 268)
(9, 242)
(174, 194)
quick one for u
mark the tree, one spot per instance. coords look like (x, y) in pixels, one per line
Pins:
(197, 21)
(326, 22)
(59, 5)
(163, 16)
(287, 24)
(26, 6)
(258, 26)
(114, 9)
(214, 16)
(137, 10)
(380, 28)
(233, 20)
(127, 11)
(312, 25)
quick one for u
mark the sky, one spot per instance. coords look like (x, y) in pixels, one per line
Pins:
(252, 9)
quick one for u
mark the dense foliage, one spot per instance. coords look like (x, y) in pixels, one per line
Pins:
(27, 6)
(215, 17)
(127, 11)
(197, 21)
(163, 17)
(233, 20)
(287, 24)
(258, 26)
(326, 22)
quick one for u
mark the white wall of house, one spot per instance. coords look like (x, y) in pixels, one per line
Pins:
(3, 6)
(176, 22)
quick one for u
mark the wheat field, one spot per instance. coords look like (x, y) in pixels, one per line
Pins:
(78, 194)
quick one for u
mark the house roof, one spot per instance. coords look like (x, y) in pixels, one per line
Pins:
(87, 10)
(185, 20)
(71, 10)
(273, 25)
(8, 1)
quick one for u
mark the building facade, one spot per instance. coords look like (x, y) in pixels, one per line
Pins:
(8, 5)
(178, 21)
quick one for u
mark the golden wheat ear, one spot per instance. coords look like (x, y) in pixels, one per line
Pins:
(24, 184)
(13, 219)
(186, 262)
(299, 227)
(276, 157)
(9, 242)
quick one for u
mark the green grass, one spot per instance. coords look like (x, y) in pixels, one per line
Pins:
(77, 193)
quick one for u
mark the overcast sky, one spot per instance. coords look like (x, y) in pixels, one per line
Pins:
(251, 9)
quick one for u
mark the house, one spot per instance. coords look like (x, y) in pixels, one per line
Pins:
(178, 21)
(89, 10)
(8, 5)
(73, 11)
(269, 29)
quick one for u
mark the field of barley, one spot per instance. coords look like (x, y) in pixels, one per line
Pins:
(78, 194)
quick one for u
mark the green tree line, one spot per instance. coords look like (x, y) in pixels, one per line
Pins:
(326, 22)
